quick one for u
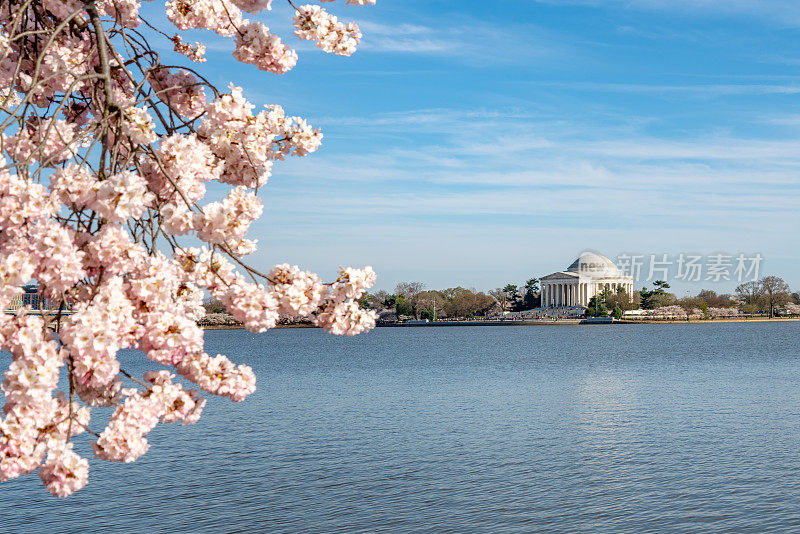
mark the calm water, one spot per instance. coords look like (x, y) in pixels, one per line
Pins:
(643, 428)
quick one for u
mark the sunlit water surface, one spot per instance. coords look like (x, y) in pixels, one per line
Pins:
(643, 428)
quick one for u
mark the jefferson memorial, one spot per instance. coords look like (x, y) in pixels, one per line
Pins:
(589, 275)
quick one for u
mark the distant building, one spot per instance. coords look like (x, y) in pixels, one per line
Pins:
(30, 297)
(589, 275)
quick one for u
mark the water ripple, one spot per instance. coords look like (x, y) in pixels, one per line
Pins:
(662, 428)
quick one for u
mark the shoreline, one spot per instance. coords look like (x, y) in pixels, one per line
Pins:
(565, 322)
(726, 320)
(240, 327)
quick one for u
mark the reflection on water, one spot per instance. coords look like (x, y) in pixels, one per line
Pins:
(643, 428)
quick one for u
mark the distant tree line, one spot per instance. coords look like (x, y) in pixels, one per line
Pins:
(764, 296)
(518, 298)
(413, 300)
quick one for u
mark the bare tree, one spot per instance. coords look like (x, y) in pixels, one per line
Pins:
(751, 296)
(411, 291)
(776, 292)
(500, 296)
(430, 300)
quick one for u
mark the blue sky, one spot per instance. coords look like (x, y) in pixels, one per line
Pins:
(479, 143)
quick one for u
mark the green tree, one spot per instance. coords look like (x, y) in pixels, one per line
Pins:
(400, 304)
(657, 297)
(530, 299)
(598, 306)
(411, 291)
(617, 313)
(512, 295)
(622, 299)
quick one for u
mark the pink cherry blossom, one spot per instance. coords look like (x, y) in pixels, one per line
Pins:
(126, 12)
(315, 24)
(105, 159)
(64, 472)
(255, 45)
(220, 16)
(179, 89)
(50, 142)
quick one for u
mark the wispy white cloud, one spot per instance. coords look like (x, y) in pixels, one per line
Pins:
(700, 89)
(783, 12)
(524, 159)
(468, 40)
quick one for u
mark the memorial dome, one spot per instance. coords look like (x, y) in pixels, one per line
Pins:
(594, 265)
